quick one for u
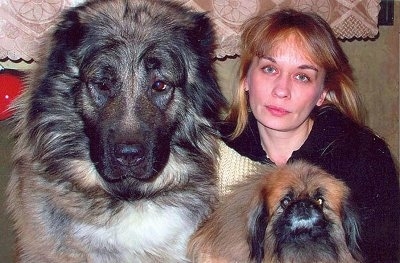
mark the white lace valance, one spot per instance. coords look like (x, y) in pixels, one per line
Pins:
(23, 23)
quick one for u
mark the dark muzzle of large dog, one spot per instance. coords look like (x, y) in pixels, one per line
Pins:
(129, 154)
(121, 153)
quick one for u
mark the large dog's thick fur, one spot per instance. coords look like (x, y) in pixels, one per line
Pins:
(294, 213)
(115, 151)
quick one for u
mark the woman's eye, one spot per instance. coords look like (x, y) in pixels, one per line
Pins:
(159, 86)
(302, 77)
(269, 69)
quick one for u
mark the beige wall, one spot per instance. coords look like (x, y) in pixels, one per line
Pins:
(376, 66)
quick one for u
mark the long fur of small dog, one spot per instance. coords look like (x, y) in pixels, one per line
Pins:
(115, 147)
(294, 213)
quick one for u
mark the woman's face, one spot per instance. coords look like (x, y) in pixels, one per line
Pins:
(284, 87)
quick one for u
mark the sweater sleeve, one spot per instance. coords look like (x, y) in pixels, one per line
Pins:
(233, 168)
(379, 203)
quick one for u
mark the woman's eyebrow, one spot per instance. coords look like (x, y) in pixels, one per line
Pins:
(305, 66)
(269, 58)
(308, 67)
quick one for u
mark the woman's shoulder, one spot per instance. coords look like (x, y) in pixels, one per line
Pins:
(370, 143)
(354, 153)
(331, 123)
(247, 143)
(348, 150)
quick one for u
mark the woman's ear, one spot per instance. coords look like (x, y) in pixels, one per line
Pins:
(322, 97)
(245, 84)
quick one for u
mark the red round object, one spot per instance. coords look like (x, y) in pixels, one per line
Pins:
(10, 87)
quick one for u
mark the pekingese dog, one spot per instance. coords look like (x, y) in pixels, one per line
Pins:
(294, 213)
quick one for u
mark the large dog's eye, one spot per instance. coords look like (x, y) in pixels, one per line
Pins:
(103, 86)
(161, 93)
(101, 90)
(159, 86)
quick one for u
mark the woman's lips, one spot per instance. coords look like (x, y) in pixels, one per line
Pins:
(277, 111)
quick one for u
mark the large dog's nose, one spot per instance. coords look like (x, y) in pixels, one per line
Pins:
(129, 154)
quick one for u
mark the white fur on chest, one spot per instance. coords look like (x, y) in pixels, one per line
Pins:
(141, 230)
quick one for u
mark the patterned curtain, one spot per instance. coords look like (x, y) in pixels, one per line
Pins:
(23, 23)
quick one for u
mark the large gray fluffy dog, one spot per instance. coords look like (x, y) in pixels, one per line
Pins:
(115, 151)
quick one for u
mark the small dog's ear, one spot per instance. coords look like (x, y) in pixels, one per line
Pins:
(351, 225)
(257, 225)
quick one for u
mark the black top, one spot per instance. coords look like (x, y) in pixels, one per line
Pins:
(358, 157)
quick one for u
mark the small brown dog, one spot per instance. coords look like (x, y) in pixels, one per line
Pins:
(294, 213)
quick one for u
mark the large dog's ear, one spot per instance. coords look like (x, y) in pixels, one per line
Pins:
(351, 226)
(202, 35)
(58, 61)
(65, 38)
(257, 224)
(202, 38)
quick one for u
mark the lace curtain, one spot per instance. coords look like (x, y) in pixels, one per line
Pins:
(23, 23)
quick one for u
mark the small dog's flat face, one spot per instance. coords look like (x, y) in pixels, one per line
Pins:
(308, 214)
(293, 213)
(303, 199)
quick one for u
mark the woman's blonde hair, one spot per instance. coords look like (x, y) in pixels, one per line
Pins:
(262, 33)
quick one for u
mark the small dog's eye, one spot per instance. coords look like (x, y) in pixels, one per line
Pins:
(159, 86)
(285, 202)
(320, 201)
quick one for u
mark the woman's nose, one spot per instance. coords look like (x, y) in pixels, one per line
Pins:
(281, 87)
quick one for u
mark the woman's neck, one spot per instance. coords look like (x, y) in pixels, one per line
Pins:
(279, 145)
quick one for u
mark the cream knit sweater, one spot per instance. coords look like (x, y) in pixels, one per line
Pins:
(233, 167)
